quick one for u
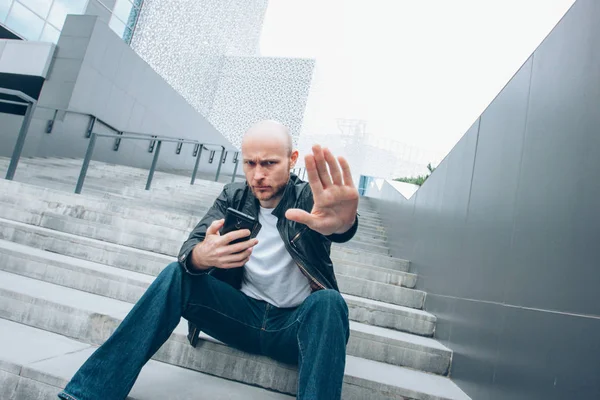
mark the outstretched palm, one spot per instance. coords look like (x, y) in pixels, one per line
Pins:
(335, 196)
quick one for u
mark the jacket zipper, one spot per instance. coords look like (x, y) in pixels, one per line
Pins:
(292, 242)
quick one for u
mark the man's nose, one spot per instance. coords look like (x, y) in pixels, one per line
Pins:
(259, 173)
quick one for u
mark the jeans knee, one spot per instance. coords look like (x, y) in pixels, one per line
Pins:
(170, 273)
(328, 300)
(329, 308)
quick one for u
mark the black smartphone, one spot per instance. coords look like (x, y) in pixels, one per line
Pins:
(236, 220)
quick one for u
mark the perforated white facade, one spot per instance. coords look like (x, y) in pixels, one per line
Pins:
(208, 51)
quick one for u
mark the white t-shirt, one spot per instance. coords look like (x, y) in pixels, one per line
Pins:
(271, 274)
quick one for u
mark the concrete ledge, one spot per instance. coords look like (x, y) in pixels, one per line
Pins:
(209, 357)
(400, 349)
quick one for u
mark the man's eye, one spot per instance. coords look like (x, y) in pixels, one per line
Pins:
(251, 163)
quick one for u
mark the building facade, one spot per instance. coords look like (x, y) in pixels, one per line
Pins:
(212, 58)
(208, 51)
(43, 20)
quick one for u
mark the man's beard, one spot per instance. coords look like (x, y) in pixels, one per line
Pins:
(278, 192)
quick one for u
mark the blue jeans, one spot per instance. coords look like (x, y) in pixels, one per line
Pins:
(313, 335)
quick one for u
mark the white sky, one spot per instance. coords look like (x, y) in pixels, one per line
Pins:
(420, 71)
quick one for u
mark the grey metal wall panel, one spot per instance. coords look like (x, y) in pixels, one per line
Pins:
(557, 224)
(488, 232)
(401, 211)
(508, 249)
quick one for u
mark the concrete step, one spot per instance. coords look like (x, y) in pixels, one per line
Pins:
(339, 254)
(58, 244)
(138, 208)
(372, 259)
(386, 293)
(37, 364)
(123, 182)
(368, 247)
(55, 216)
(151, 199)
(51, 307)
(33, 197)
(32, 209)
(127, 231)
(155, 244)
(384, 345)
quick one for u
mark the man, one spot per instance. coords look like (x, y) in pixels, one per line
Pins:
(274, 295)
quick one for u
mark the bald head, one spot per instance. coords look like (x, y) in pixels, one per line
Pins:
(272, 132)
(268, 157)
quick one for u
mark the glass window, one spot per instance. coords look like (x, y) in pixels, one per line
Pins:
(40, 7)
(50, 34)
(133, 16)
(24, 22)
(4, 7)
(123, 10)
(117, 25)
(61, 8)
(128, 35)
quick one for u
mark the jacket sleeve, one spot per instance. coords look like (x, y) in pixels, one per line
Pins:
(346, 236)
(216, 212)
(335, 237)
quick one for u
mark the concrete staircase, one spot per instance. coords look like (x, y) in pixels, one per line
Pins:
(71, 267)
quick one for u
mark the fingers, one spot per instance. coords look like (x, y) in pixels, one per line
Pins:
(236, 260)
(334, 169)
(213, 229)
(242, 246)
(324, 176)
(235, 265)
(231, 236)
(346, 171)
(313, 175)
(301, 216)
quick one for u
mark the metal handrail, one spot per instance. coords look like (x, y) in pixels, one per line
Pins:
(95, 119)
(50, 126)
(30, 103)
(133, 136)
(159, 140)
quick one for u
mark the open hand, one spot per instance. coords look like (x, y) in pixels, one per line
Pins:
(216, 251)
(335, 196)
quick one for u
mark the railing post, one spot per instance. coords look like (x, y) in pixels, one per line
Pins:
(86, 163)
(90, 128)
(50, 123)
(196, 164)
(220, 163)
(16, 155)
(153, 166)
(237, 162)
(304, 174)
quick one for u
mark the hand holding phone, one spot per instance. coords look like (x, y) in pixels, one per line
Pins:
(225, 245)
(236, 220)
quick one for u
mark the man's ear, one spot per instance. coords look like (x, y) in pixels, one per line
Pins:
(293, 158)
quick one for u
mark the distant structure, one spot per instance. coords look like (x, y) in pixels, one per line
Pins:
(371, 155)
(208, 50)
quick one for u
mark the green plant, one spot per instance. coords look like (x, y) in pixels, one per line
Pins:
(419, 180)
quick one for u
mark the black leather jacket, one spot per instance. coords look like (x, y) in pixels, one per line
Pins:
(309, 249)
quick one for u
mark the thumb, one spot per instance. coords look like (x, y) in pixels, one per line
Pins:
(213, 229)
(301, 216)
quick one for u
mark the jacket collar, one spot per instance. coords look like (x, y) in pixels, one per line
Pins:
(288, 199)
